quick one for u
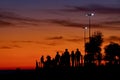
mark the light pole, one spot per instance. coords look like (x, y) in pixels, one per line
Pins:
(85, 28)
(89, 17)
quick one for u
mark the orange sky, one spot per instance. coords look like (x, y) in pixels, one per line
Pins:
(27, 33)
(20, 47)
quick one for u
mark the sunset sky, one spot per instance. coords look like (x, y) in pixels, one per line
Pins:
(31, 28)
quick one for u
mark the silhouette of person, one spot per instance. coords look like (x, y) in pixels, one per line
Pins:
(67, 58)
(48, 62)
(78, 56)
(37, 66)
(42, 61)
(57, 58)
(62, 60)
(72, 58)
(53, 63)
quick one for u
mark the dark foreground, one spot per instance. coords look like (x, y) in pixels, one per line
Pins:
(68, 73)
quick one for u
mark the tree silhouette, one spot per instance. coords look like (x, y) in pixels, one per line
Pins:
(93, 47)
(112, 50)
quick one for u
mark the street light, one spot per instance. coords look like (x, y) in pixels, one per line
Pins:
(89, 17)
(85, 28)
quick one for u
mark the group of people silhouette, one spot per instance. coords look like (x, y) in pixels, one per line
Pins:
(67, 59)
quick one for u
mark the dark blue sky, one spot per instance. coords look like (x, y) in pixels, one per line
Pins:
(74, 10)
(61, 9)
(23, 4)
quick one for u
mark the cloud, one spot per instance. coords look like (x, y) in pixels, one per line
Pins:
(113, 38)
(10, 46)
(27, 41)
(74, 40)
(93, 8)
(15, 16)
(39, 42)
(11, 18)
(104, 22)
(5, 23)
(111, 25)
(5, 47)
(64, 40)
(17, 46)
(112, 22)
(64, 22)
(52, 44)
(67, 23)
(55, 38)
(22, 41)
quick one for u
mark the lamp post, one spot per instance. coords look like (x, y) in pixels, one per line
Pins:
(89, 17)
(85, 28)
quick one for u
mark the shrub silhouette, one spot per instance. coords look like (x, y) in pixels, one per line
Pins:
(112, 50)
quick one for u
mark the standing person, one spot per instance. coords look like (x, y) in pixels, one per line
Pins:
(57, 59)
(78, 56)
(42, 61)
(37, 65)
(72, 58)
(67, 58)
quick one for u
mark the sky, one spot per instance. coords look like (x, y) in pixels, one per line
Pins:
(32, 28)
